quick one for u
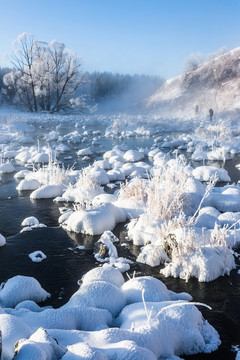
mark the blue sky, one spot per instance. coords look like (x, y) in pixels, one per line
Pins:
(125, 36)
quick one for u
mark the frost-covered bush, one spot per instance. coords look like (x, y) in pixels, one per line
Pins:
(171, 237)
(166, 192)
(84, 190)
(50, 174)
(136, 189)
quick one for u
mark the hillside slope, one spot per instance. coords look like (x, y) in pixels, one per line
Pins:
(215, 84)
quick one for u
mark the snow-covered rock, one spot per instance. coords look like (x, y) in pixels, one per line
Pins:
(48, 191)
(95, 221)
(28, 184)
(84, 152)
(21, 288)
(207, 264)
(133, 155)
(105, 273)
(2, 240)
(6, 168)
(37, 256)
(22, 174)
(40, 345)
(30, 221)
(154, 290)
(99, 294)
(205, 173)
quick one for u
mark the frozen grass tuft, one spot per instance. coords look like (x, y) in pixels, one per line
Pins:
(136, 190)
(51, 174)
(166, 192)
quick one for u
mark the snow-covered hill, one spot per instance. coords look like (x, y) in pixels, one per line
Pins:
(215, 84)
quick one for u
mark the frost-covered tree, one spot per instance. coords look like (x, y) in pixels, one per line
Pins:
(4, 94)
(45, 76)
(192, 62)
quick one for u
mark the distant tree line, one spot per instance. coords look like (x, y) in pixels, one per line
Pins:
(48, 77)
(106, 85)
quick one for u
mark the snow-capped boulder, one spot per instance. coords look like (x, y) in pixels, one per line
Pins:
(84, 152)
(6, 168)
(95, 221)
(99, 294)
(40, 345)
(105, 273)
(28, 184)
(12, 329)
(48, 191)
(20, 288)
(30, 221)
(205, 173)
(22, 174)
(2, 240)
(152, 289)
(133, 155)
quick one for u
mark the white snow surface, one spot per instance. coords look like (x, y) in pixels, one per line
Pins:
(95, 221)
(205, 173)
(37, 256)
(6, 168)
(20, 288)
(207, 264)
(104, 273)
(86, 327)
(2, 240)
(48, 191)
(30, 221)
(28, 184)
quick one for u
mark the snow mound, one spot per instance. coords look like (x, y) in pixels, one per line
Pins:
(84, 152)
(99, 294)
(22, 174)
(81, 351)
(48, 191)
(37, 256)
(28, 184)
(67, 318)
(40, 345)
(20, 288)
(2, 240)
(30, 221)
(207, 264)
(95, 221)
(133, 155)
(154, 290)
(6, 168)
(205, 173)
(12, 329)
(105, 273)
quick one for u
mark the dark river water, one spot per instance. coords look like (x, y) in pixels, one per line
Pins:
(65, 263)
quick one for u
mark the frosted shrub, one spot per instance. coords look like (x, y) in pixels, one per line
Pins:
(171, 238)
(166, 192)
(219, 132)
(86, 180)
(51, 174)
(84, 190)
(136, 190)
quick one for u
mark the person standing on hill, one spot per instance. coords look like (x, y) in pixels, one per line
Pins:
(211, 114)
